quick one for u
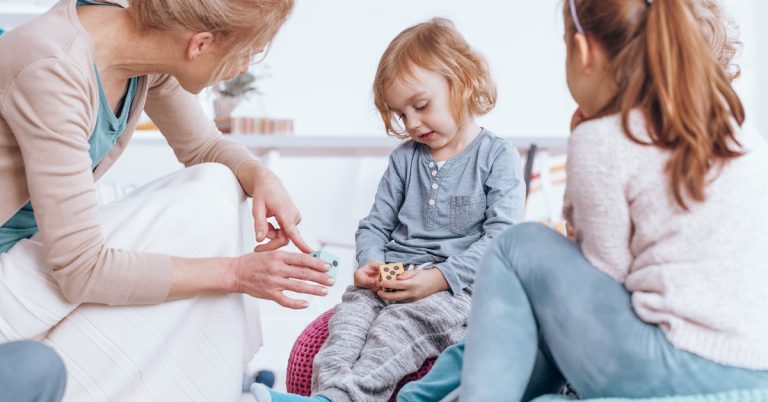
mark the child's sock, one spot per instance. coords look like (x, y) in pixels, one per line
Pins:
(265, 394)
(265, 377)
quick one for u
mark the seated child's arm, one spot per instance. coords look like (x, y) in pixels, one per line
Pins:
(505, 204)
(375, 230)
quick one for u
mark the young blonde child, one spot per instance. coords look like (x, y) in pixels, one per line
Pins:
(662, 292)
(449, 189)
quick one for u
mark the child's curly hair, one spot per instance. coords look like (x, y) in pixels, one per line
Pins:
(436, 46)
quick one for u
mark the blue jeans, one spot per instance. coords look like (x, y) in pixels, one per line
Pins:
(542, 314)
(443, 378)
(30, 372)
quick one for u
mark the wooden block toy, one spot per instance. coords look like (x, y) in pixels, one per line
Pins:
(330, 259)
(388, 272)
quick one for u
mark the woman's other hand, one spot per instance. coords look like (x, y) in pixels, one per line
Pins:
(267, 274)
(270, 199)
(413, 285)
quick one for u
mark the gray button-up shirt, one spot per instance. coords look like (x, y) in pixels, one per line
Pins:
(448, 215)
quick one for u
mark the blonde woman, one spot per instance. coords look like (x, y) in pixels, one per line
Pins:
(143, 298)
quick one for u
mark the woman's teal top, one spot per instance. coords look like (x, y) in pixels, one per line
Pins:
(109, 127)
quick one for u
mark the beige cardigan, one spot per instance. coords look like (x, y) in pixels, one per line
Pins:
(48, 106)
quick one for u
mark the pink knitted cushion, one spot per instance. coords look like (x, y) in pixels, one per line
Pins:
(299, 375)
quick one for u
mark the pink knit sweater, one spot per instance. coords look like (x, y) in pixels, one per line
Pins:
(700, 275)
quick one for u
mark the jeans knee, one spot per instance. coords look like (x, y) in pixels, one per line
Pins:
(522, 236)
(38, 366)
(525, 245)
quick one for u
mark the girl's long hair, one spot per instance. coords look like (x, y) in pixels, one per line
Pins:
(665, 66)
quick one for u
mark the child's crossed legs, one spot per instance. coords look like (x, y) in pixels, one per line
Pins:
(365, 363)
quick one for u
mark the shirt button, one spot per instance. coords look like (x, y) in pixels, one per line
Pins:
(431, 202)
(431, 164)
(434, 186)
(434, 173)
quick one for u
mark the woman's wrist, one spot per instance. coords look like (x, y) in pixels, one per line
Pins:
(247, 174)
(230, 277)
(198, 276)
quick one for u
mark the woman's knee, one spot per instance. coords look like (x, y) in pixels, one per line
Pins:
(210, 194)
(200, 187)
(211, 181)
(198, 211)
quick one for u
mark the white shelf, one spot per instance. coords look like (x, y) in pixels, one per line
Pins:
(345, 146)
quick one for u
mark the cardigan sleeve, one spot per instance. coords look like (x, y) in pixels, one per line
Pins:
(48, 107)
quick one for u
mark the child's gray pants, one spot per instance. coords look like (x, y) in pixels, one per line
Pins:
(373, 344)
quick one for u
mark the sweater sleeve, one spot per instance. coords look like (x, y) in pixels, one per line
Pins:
(375, 230)
(505, 204)
(193, 137)
(596, 199)
(48, 108)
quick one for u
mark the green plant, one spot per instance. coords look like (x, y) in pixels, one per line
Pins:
(241, 85)
(238, 86)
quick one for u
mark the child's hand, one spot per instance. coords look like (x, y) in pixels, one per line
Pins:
(577, 118)
(570, 231)
(367, 276)
(414, 285)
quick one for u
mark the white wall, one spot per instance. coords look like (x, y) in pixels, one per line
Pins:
(324, 59)
(753, 84)
(760, 43)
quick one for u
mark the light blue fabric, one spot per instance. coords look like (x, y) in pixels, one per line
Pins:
(31, 372)
(108, 129)
(440, 381)
(758, 395)
(542, 313)
(446, 216)
(22, 225)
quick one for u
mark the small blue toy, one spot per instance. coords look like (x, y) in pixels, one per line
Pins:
(330, 259)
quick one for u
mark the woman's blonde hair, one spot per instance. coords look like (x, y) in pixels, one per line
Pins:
(671, 60)
(248, 23)
(435, 46)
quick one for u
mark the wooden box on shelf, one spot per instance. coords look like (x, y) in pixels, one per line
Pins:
(255, 125)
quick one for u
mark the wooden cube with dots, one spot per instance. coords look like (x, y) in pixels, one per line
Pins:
(388, 272)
